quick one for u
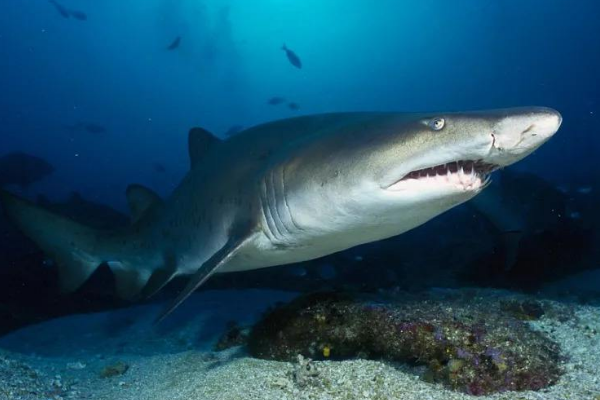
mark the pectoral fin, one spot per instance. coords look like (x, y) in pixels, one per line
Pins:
(209, 267)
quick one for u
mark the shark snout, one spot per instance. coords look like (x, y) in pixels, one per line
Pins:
(520, 132)
(544, 122)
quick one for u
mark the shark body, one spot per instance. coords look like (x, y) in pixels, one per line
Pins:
(519, 205)
(289, 191)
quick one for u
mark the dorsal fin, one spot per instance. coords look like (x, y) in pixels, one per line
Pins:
(140, 200)
(200, 141)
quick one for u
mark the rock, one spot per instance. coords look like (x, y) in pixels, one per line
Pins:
(472, 345)
(305, 372)
(117, 369)
(524, 310)
(76, 365)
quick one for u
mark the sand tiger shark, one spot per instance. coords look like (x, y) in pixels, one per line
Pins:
(289, 191)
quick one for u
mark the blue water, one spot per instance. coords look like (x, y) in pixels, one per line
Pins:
(113, 69)
(93, 88)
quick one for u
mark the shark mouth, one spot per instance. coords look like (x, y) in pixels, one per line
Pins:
(463, 175)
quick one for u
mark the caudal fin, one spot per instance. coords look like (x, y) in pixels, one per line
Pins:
(75, 248)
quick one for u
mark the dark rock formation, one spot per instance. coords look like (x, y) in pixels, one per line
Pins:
(470, 345)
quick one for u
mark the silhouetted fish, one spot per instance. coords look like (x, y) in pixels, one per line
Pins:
(61, 10)
(65, 13)
(293, 106)
(80, 15)
(292, 57)
(23, 169)
(519, 205)
(94, 128)
(88, 127)
(175, 43)
(234, 130)
(276, 100)
(158, 167)
(85, 211)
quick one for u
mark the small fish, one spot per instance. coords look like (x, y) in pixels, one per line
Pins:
(78, 15)
(87, 127)
(292, 57)
(276, 101)
(293, 106)
(65, 13)
(61, 10)
(234, 130)
(94, 128)
(159, 168)
(175, 43)
(584, 190)
(23, 169)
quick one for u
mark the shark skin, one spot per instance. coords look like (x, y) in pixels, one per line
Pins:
(289, 191)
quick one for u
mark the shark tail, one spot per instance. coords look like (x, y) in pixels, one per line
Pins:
(77, 250)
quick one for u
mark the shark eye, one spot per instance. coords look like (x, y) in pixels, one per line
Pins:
(437, 124)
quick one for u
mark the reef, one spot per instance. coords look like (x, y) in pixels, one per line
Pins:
(473, 345)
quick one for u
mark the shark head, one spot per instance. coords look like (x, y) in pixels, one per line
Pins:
(378, 175)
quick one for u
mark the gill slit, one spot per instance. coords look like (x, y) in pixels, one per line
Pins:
(274, 209)
(271, 230)
(285, 201)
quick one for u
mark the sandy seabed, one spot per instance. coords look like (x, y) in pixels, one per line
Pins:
(118, 355)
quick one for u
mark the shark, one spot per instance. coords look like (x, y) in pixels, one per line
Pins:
(288, 191)
(518, 205)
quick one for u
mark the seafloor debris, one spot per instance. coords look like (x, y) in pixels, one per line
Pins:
(116, 369)
(471, 345)
(20, 381)
(525, 310)
(305, 372)
(234, 336)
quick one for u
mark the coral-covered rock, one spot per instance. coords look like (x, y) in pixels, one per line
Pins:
(472, 346)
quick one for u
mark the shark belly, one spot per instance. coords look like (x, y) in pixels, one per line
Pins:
(262, 252)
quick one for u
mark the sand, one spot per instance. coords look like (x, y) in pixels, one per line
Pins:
(67, 358)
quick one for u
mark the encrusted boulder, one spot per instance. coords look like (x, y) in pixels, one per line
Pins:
(470, 345)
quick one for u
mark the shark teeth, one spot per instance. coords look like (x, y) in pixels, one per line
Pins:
(465, 175)
(463, 167)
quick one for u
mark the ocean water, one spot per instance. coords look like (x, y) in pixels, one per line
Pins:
(100, 95)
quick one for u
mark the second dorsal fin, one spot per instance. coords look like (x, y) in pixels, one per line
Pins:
(200, 141)
(140, 200)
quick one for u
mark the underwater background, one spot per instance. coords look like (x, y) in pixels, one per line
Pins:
(96, 95)
(114, 70)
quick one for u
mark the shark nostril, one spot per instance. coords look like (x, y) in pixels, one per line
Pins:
(529, 129)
